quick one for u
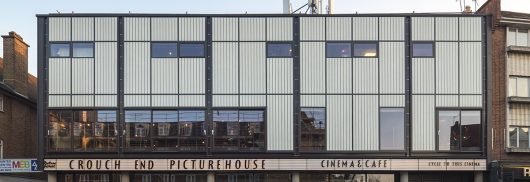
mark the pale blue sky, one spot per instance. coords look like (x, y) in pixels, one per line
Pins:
(19, 15)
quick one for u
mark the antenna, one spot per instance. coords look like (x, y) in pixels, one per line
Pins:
(313, 5)
(58, 11)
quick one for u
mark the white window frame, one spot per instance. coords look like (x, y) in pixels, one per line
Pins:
(517, 145)
(515, 37)
(515, 86)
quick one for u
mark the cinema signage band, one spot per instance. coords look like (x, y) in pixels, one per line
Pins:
(264, 164)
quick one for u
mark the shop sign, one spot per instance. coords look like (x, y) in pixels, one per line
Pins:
(264, 164)
(18, 165)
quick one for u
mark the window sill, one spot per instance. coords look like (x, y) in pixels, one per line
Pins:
(518, 49)
(518, 150)
(519, 99)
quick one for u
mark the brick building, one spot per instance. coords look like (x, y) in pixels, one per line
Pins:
(18, 95)
(509, 149)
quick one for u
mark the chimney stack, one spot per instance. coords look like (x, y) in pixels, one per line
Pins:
(15, 62)
(468, 9)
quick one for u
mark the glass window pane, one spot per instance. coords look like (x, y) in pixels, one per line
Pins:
(191, 131)
(191, 50)
(83, 50)
(512, 86)
(449, 130)
(165, 131)
(522, 37)
(313, 129)
(513, 137)
(59, 50)
(59, 135)
(252, 130)
(380, 177)
(523, 137)
(227, 130)
(314, 177)
(137, 129)
(105, 130)
(522, 87)
(83, 130)
(365, 49)
(279, 50)
(338, 50)
(164, 50)
(422, 50)
(471, 131)
(512, 36)
(392, 128)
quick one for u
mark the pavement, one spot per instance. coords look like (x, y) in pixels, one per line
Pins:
(4, 178)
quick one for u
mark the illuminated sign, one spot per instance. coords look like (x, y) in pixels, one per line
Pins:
(264, 164)
(18, 165)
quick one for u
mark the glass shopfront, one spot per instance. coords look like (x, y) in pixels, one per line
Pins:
(347, 177)
(88, 177)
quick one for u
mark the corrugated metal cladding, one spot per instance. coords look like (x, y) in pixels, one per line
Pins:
(392, 67)
(137, 29)
(339, 75)
(447, 67)
(164, 75)
(59, 76)
(252, 29)
(365, 28)
(106, 101)
(518, 64)
(519, 114)
(106, 29)
(164, 100)
(365, 122)
(339, 122)
(312, 28)
(164, 29)
(313, 101)
(470, 68)
(106, 65)
(82, 100)
(192, 75)
(423, 123)
(82, 76)
(470, 100)
(59, 101)
(137, 64)
(446, 28)
(280, 29)
(280, 75)
(423, 75)
(192, 29)
(225, 68)
(422, 28)
(279, 122)
(225, 100)
(447, 101)
(83, 29)
(137, 101)
(338, 28)
(59, 29)
(470, 28)
(252, 101)
(392, 100)
(365, 75)
(252, 78)
(312, 67)
(225, 29)
(391, 28)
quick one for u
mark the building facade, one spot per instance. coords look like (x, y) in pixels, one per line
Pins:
(18, 102)
(146, 97)
(510, 104)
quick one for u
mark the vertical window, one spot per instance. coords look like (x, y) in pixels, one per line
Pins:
(137, 129)
(83, 50)
(191, 50)
(1, 103)
(59, 133)
(165, 136)
(423, 49)
(338, 50)
(519, 137)
(59, 50)
(279, 50)
(519, 87)
(459, 130)
(512, 36)
(313, 129)
(239, 130)
(392, 129)
(522, 37)
(365, 49)
(164, 50)
(191, 130)
(83, 130)
(105, 130)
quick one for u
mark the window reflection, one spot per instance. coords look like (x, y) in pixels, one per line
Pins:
(392, 126)
(59, 50)
(313, 129)
(83, 50)
(279, 50)
(423, 49)
(459, 130)
(338, 50)
(239, 129)
(164, 50)
(137, 129)
(191, 50)
(365, 49)
(59, 137)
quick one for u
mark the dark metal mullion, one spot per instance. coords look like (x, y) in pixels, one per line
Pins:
(209, 87)
(42, 104)
(121, 112)
(408, 87)
(94, 62)
(296, 85)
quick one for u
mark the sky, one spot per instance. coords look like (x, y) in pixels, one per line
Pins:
(19, 15)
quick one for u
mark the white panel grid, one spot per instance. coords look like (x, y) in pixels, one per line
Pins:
(280, 29)
(106, 67)
(470, 28)
(470, 68)
(252, 101)
(339, 28)
(106, 29)
(279, 122)
(447, 67)
(339, 75)
(251, 29)
(280, 75)
(164, 29)
(313, 101)
(137, 101)
(447, 28)
(225, 67)
(422, 28)
(83, 29)
(392, 28)
(423, 81)
(365, 75)
(423, 123)
(339, 123)
(137, 29)
(106, 101)
(164, 100)
(59, 101)
(192, 101)
(192, 29)
(225, 29)
(391, 68)
(365, 112)
(365, 28)
(137, 68)
(59, 76)
(82, 100)
(312, 67)
(225, 101)
(312, 28)
(191, 75)
(164, 75)
(59, 29)
(82, 76)
(252, 78)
